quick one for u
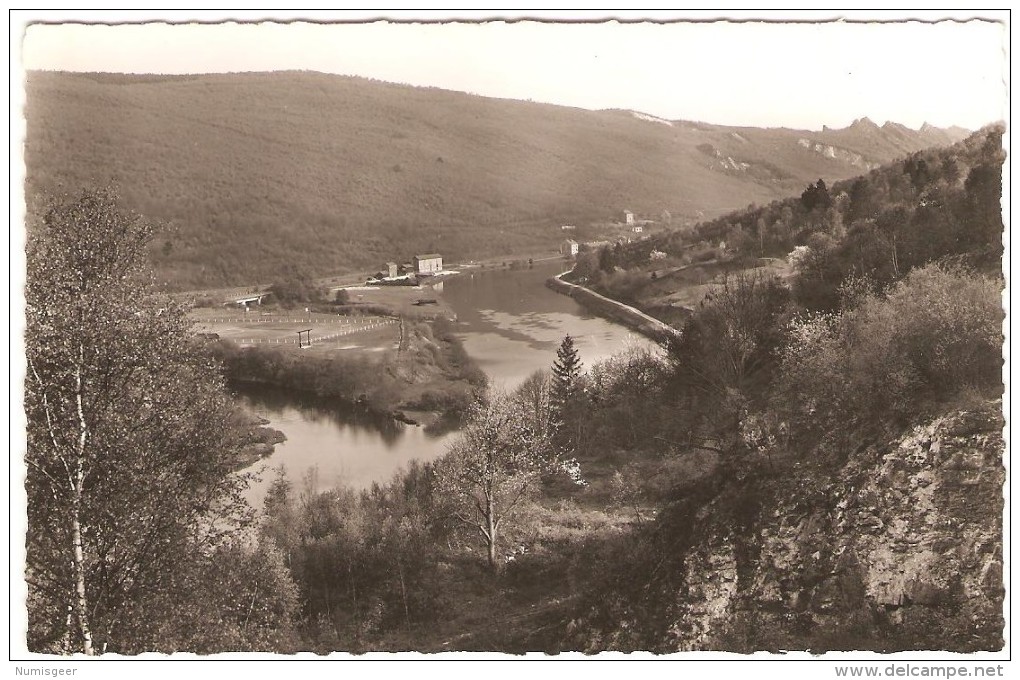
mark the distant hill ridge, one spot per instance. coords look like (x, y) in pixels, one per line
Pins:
(255, 173)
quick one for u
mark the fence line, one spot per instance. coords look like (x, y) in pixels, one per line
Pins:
(342, 320)
(293, 341)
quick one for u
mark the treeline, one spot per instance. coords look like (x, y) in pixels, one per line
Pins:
(933, 203)
(365, 563)
(354, 380)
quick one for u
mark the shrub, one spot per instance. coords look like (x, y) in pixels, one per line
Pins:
(296, 288)
(731, 341)
(949, 324)
(207, 301)
(935, 335)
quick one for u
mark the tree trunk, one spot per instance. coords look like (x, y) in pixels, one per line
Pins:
(490, 511)
(403, 595)
(80, 601)
(895, 258)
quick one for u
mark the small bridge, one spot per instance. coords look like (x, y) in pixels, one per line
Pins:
(255, 299)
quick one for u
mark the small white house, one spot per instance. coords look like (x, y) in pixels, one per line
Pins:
(569, 248)
(628, 217)
(428, 264)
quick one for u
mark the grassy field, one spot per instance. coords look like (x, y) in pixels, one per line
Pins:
(687, 286)
(401, 300)
(329, 333)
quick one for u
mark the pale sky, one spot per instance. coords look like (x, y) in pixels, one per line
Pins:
(762, 74)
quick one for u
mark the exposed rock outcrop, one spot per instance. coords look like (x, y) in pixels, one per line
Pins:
(834, 152)
(900, 547)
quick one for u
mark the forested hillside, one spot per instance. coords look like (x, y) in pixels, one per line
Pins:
(252, 173)
(932, 204)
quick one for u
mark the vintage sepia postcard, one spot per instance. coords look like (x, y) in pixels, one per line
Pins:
(522, 336)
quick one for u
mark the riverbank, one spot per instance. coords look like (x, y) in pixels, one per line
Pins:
(259, 440)
(612, 309)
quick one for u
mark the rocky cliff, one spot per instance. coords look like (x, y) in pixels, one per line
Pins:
(899, 547)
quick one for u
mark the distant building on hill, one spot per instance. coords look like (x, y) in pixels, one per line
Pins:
(568, 227)
(392, 270)
(569, 248)
(428, 264)
(628, 217)
(637, 229)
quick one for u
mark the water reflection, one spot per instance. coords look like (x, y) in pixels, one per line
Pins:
(311, 409)
(347, 446)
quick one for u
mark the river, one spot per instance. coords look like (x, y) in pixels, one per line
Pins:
(509, 322)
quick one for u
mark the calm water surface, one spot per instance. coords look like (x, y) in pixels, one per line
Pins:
(343, 446)
(510, 323)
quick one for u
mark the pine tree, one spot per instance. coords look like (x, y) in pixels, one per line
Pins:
(566, 371)
(566, 391)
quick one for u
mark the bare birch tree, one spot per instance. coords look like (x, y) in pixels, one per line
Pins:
(129, 440)
(493, 467)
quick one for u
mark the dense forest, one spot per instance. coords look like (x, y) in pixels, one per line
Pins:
(811, 463)
(251, 173)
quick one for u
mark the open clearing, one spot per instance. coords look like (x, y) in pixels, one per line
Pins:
(412, 302)
(328, 332)
(688, 285)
